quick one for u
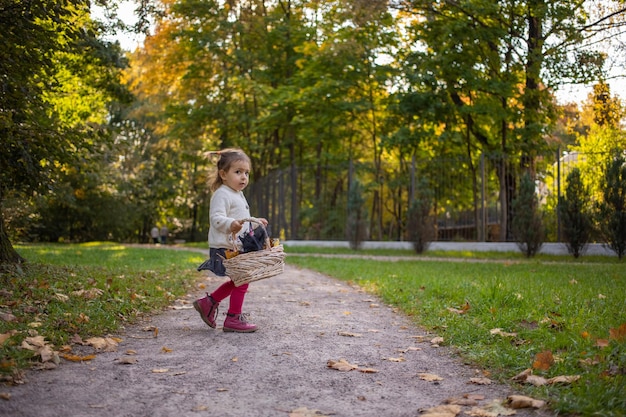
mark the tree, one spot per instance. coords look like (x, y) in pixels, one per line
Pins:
(527, 226)
(612, 209)
(575, 214)
(46, 47)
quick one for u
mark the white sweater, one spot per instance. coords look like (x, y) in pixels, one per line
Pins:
(227, 205)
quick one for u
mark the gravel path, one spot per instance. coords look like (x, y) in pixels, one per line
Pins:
(180, 367)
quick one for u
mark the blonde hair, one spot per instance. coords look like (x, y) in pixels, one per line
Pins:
(226, 158)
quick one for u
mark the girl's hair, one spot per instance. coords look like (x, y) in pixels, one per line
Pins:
(226, 158)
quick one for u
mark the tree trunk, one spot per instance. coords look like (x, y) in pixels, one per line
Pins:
(8, 255)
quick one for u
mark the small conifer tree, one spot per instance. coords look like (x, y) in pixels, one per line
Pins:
(612, 210)
(420, 227)
(527, 225)
(575, 215)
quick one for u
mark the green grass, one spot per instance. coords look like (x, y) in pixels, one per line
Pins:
(564, 307)
(551, 303)
(44, 294)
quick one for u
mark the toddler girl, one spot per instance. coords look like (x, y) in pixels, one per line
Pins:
(228, 207)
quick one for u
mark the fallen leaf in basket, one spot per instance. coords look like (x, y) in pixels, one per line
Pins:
(429, 377)
(521, 401)
(341, 365)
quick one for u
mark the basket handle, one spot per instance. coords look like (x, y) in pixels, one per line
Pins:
(251, 220)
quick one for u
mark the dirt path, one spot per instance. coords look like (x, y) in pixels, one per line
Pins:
(305, 320)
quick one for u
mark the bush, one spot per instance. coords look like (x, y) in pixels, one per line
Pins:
(612, 210)
(575, 215)
(526, 224)
(420, 227)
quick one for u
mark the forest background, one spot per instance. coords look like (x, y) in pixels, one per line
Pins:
(350, 110)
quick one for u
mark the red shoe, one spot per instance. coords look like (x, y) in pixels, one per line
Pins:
(207, 307)
(238, 323)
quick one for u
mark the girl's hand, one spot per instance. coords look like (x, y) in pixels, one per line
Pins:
(236, 226)
(263, 221)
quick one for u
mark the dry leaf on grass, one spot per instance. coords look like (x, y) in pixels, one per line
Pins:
(499, 332)
(436, 341)
(543, 360)
(5, 336)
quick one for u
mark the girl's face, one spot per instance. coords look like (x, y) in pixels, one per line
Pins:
(237, 175)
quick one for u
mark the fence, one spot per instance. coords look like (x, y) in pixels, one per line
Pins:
(471, 199)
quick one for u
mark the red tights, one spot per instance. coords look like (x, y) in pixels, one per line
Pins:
(237, 295)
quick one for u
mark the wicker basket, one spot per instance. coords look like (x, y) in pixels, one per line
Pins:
(253, 266)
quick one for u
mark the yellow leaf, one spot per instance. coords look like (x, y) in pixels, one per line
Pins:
(429, 377)
(77, 358)
(480, 381)
(165, 349)
(450, 410)
(521, 401)
(341, 365)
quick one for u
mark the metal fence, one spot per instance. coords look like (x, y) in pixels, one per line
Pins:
(471, 198)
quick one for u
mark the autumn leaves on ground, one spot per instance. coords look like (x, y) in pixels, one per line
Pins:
(556, 331)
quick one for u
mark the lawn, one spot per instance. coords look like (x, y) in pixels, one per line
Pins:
(553, 315)
(557, 317)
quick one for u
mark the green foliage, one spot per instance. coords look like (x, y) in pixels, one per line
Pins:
(57, 80)
(612, 209)
(575, 214)
(527, 225)
(566, 307)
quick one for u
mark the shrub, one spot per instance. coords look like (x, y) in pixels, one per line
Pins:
(575, 215)
(420, 228)
(526, 224)
(612, 210)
